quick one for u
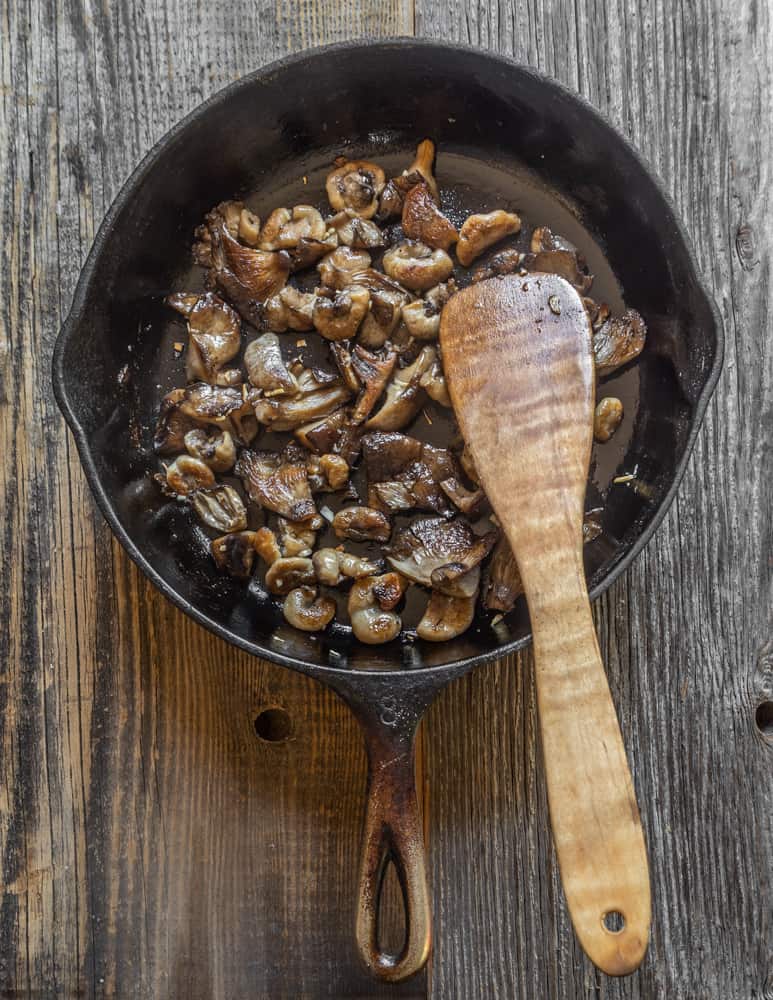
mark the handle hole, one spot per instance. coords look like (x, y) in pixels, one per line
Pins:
(613, 921)
(764, 718)
(391, 929)
(273, 725)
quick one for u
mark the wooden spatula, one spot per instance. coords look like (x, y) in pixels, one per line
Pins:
(518, 358)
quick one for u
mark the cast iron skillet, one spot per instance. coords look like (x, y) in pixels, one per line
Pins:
(505, 134)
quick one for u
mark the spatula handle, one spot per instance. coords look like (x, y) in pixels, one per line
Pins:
(595, 819)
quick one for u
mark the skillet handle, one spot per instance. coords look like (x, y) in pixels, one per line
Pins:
(393, 832)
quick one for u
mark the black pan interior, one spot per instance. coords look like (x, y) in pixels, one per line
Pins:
(506, 139)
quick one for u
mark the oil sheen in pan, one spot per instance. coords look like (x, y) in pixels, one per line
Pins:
(467, 185)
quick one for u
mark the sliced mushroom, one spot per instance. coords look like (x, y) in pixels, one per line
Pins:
(567, 264)
(505, 262)
(266, 545)
(607, 418)
(433, 381)
(342, 267)
(362, 524)
(422, 220)
(316, 399)
(214, 336)
(502, 584)
(352, 231)
(187, 474)
(446, 617)
(235, 553)
(386, 305)
(212, 446)
(286, 574)
(467, 501)
(220, 508)
(308, 251)
(481, 231)
(356, 185)
(337, 316)
(295, 539)
(404, 394)
(342, 355)
(172, 425)
(373, 372)
(405, 474)
(417, 266)
(618, 341)
(327, 473)
(291, 309)
(285, 228)
(422, 317)
(228, 213)
(304, 609)
(321, 436)
(441, 554)
(266, 368)
(332, 566)
(279, 482)
(371, 604)
(224, 407)
(543, 238)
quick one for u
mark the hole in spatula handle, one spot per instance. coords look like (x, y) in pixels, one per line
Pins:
(613, 921)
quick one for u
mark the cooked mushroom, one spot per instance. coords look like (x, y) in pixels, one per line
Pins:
(567, 264)
(315, 399)
(373, 372)
(172, 425)
(266, 369)
(405, 474)
(295, 539)
(342, 355)
(607, 418)
(266, 545)
(332, 566)
(386, 305)
(289, 310)
(371, 603)
(508, 261)
(309, 251)
(441, 554)
(187, 474)
(228, 213)
(417, 266)
(423, 221)
(225, 407)
(404, 394)
(337, 315)
(362, 524)
(327, 473)
(421, 171)
(247, 277)
(221, 508)
(321, 436)
(468, 501)
(343, 267)
(446, 617)
(212, 446)
(502, 585)
(355, 184)
(279, 482)
(422, 317)
(424, 165)
(285, 228)
(481, 231)
(433, 381)
(543, 238)
(235, 553)
(286, 574)
(305, 610)
(618, 341)
(214, 333)
(598, 312)
(352, 231)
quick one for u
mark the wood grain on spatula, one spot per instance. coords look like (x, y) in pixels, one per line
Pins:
(518, 358)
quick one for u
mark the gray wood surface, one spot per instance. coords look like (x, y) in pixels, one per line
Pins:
(143, 827)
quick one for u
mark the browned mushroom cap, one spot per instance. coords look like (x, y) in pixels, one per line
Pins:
(404, 394)
(371, 601)
(405, 474)
(386, 305)
(235, 553)
(618, 341)
(305, 610)
(321, 436)
(220, 508)
(286, 574)
(327, 473)
(289, 310)
(417, 266)
(483, 230)
(355, 184)
(567, 264)
(433, 381)
(337, 315)
(266, 545)
(502, 585)
(343, 267)
(309, 251)
(225, 407)
(279, 482)
(352, 231)
(543, 238)
(422, 220)
(468, 501)
(266, 368)
(247, 277)
(285, 228)
(228, 213)
(422, 317)
(607, 418)
(446, 617)
(342, 355)
(332, 566)
(295, 539)
(187, 474)
(373, 372)
(172, 425)
(214, 332)
(362, 524)
(508, 261)
(212, 446)
(598, 312)
(441, 554)
(315, 399)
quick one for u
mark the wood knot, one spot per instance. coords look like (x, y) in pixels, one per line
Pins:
(762, 694)
(745, 247)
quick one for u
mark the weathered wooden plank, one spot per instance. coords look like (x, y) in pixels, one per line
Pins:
(684, 631)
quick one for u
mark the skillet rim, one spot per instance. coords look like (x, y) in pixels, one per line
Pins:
(438, 672)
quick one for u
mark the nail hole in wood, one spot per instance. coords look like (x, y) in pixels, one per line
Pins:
(764, 718)
(614, 921)
(273, 725)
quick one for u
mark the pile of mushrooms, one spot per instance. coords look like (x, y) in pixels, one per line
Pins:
(383, 266)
